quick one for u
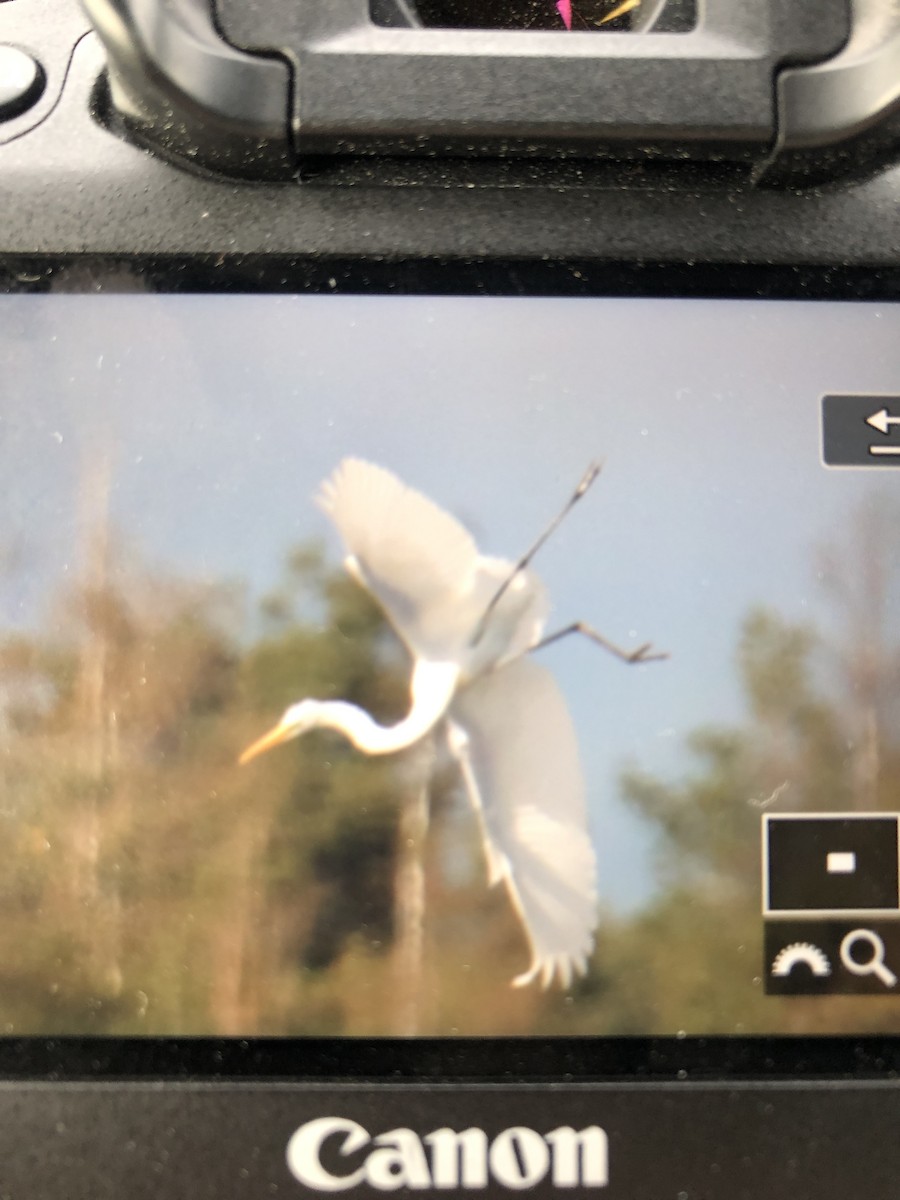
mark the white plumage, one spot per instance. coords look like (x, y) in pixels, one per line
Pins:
(506, 721)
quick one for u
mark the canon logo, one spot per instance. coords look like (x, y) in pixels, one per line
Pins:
(518, 1158)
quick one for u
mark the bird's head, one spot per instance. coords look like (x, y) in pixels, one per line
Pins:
(297, 720)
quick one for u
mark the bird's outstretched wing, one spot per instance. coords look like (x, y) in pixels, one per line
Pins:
(513, 737)
(419, 562)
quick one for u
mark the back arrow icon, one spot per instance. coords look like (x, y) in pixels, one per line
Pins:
(882, 421)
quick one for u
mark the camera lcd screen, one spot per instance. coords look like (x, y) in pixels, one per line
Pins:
(289, 745)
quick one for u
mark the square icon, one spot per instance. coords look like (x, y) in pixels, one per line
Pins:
(831, 864)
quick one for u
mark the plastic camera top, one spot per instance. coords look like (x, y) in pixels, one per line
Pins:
(249, 89)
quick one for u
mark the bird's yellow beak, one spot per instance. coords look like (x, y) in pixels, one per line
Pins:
(281, 733)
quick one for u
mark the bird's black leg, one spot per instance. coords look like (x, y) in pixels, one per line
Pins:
(642, 654)
(586, 480)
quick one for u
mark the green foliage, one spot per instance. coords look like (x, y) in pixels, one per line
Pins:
(153, 886)
(691, 961)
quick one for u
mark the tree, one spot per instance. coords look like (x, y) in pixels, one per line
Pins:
(820, 734)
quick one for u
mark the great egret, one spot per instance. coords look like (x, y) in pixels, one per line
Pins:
(468, 621)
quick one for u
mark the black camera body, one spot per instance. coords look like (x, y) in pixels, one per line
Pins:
(744, 150)
(761, 137)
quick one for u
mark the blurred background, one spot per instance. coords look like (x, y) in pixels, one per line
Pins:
(168, 587)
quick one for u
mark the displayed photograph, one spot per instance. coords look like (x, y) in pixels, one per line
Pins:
(410, 666)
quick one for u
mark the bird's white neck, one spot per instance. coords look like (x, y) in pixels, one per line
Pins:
(431, 690)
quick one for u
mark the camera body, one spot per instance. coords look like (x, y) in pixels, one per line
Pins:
(775, 153)
(747, 151)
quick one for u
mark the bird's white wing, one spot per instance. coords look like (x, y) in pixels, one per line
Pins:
(513, 737)
(417, 560)
(515, 623)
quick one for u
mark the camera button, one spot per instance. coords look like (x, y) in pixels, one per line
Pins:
(21, 81)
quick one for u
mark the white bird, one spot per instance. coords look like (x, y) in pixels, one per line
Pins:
(468, 621)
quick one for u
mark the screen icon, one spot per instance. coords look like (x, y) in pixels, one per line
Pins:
(831, 903)
(831, 864)
(869, 964)
(861, 431)
(822, 957)
(799, 954)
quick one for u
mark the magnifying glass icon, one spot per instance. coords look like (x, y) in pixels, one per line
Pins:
(875, 964)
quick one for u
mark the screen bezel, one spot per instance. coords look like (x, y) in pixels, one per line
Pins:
(532, 1059)
(334, 275)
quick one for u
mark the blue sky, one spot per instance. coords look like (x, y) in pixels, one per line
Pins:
(223, 414)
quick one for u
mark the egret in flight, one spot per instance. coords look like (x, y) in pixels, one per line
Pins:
(469, 621)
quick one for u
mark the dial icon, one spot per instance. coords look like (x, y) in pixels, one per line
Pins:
(801, 953)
